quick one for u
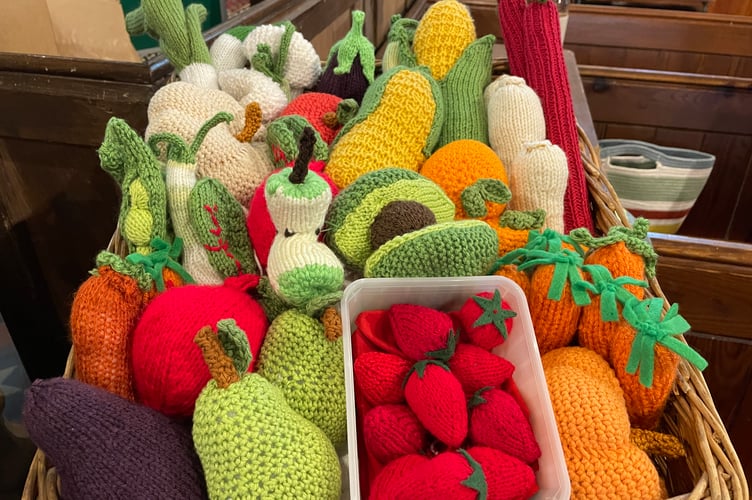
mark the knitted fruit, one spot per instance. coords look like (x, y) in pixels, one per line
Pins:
(450, 474)
(167, 371)
(437, 399)
(514, 226)
(507, 478)
(105, 446)
(418, 330)
(283, 135)
(486, 319)
(455, 248)
(472, 176)
(476, 368)
(351, 63)
(354, 210)
(379, 377)
(497, 421)
(250, 441)
(398, 125)
(392, 476)
(391, 431)
(513, 273)
(309, 369)
(324, 112)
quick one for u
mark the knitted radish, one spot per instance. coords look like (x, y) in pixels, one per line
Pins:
(301, 270)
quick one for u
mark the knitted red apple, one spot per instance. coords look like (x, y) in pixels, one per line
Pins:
(168, 368)
(325, 112)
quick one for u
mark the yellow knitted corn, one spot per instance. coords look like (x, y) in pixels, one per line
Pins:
(443, 33)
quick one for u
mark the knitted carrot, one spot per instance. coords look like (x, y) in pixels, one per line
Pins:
(514, 228)
(651, 347)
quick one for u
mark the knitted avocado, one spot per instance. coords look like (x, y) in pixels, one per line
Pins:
(353, 211)
(309, 368)
(398, 125)
(251, 443)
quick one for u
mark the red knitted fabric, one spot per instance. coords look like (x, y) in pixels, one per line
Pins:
(169, 371)
(510, 16)
(441, 477)
(379, 377)
(477, 368)
(506, 477)
(392, 431)
(390, 478)
(419, 330)
(476, 317)
(313, 106)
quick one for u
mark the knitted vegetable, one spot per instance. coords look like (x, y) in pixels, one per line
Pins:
(442, 35)
(486, 319)
(472, 177)
(538, 180)
(283, 454)
(302, 270)
(283, 135)
(399, 46)
(248, 85)
(308, 367)
(514, 228)
(391, 431)
(105, 446)
(593, 425)
(180, 39)
(397, 125)
(143, 206)
(477, 368)
(227, 50)
(324, 112)
(351, 64)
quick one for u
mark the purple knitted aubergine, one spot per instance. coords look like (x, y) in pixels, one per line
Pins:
(351, 85)
(104, 446)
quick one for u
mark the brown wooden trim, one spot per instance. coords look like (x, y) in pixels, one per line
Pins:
(693, 79)
(702, 249)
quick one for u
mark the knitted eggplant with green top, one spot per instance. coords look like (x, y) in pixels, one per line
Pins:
(250, 442)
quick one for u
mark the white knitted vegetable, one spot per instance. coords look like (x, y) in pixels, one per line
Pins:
(248, 85)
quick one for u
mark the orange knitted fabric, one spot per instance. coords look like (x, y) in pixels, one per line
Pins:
(458, 166)
(621, 262)
(514, 226)
(592, 420)
(554, 321)
(520, 277)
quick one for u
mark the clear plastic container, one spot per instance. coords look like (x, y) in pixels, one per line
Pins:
(520, 348)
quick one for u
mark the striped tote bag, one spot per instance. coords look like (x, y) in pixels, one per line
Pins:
(658, 183)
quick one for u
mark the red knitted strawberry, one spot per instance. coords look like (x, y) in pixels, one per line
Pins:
(392, 431)
(451, 474)
(374, 326)
(419, 330)
(379, 377)
(437, 399)
(477, 368)
(506, 477)
(392, 476)
(486, 319)
(497, 421)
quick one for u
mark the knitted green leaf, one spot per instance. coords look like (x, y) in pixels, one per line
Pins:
(420, 368)
(523, 219)
(475, 196)
(493, 313)
(163, 256)
(235, 344)
(611, 290)
(645, 318)
(240, 32)
(273, 304)
(122, 266)
(346, 110)
(477, 398)
(477, 480)
(353, 45)
(446, 353)
(567, 266)
(284, 134)
(274, 67)
(218, 220)
(399, 51)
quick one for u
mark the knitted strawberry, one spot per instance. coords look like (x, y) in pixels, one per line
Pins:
(477, 368)
(375, 327)
(496, 420)
(391, 431)
(451, 474)
(436, 397)
(392, 476)
(379, 377)
(419, 330)
(486, 319)
(506, 477)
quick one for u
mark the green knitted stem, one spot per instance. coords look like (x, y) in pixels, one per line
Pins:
(475, 196)
(274, 67)
(163, 256)
(220, 117)
(353, 45)
(645, 318)
(285, 133)
(523, 219)
(566, 268)
(635, 239)
(477, 398)
(122, 266)
(346, 110)
(477, 480)
(195, 14)
(235, 344)
(446, 353)
(317, 304)
(420, 368)
(610, 289)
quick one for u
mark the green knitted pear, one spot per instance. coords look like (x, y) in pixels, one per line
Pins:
(250, 442)
(299, 358)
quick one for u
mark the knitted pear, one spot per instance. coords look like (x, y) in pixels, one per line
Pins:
(250, 442)
(306, 362)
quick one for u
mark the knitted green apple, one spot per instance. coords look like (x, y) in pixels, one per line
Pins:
(250, 442)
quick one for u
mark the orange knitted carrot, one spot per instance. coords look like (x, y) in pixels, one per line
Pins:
(512, 272)
(514, 226)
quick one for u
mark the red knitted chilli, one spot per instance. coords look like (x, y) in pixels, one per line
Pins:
(510, 15)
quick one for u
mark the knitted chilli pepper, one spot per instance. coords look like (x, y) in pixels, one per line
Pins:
(180, 179)
(535, 53)
(653, 349)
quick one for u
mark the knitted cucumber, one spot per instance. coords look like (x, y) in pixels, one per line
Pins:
(351, 64)
(398, 125)
(299, 358)
(143, 207)
(251, 443)
(301, 269)
(219, 223)
(282, 136)
(180, 172)
(179, 33)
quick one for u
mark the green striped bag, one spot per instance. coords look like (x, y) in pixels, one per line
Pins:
(658, 183)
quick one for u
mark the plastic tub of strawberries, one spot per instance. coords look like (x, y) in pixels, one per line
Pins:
(446, 394)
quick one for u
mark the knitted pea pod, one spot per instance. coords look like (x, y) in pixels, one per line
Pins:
(143, 208)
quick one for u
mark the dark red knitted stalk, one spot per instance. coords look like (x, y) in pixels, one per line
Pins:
(510, 15)
(546, 74)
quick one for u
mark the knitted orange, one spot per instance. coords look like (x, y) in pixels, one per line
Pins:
(593, 424)
(513, 273)
(514, 227)
(472, 176)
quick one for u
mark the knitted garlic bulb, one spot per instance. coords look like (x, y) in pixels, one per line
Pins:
(538, 179)
(515, 116)
(301, 268)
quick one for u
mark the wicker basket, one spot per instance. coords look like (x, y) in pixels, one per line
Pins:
(712, 468)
